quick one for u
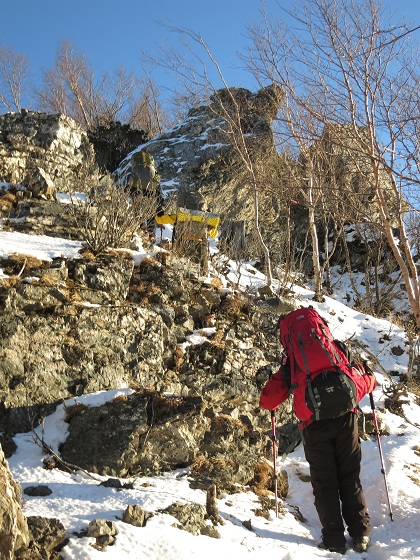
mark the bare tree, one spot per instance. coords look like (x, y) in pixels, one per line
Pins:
(347, 62)
(72, 87)
(146, 111)
(14, 78)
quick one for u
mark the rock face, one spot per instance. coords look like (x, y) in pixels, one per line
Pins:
(198, 153)
(148, 433)
(78, 326)
(14, 533)
(45, 152)
(145, 434)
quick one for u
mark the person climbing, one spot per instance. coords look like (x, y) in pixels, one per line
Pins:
(143, 172)
(145, 181)
(331, 444)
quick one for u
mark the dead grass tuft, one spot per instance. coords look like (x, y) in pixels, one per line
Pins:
(11, 282)
(120, 254)
(87, 254)
(179, 358)
(211, 465)
(217, 283)
(263, 482)
(235, 306)
(218, 339)
(73, 411)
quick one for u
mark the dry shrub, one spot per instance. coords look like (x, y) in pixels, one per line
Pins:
(235, 306)
(162, 408)
(145, 292)
(263, 481)
(217, 283)
(120, 253)
(227, 419)
(87, 254)
(162, 258)
(267, 505)
(120, 398)
(209, 320)
(48, 280)
(396, 397)
(18, 262)
(218, 339)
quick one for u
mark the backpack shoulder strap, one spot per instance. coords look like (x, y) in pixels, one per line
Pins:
(286, 373)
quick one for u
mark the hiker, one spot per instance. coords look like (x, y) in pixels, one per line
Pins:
(193, 225)
(331, 445)
(145, 181)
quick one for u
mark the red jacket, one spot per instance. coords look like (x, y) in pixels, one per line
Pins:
(275, 393)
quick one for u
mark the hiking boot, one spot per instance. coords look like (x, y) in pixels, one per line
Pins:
(361, 544)
(339, 549)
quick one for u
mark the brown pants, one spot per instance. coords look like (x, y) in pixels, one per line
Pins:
(332, 449)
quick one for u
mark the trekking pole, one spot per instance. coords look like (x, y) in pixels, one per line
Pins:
(378, 438)
(273, 439)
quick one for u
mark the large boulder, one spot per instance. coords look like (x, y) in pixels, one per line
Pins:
(143, 434)
(148, 433)
(45, 153)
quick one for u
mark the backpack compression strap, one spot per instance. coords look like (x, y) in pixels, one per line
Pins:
(314, 398)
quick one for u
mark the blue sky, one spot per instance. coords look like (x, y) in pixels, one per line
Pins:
(113, 33)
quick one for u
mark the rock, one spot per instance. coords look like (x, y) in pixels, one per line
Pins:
(103, 531)
(190, 516)
(39, 490)
(199, 151)
(135, 515)
(99, 527)
(45, 153)
(227, 455)
(143, 434)
(14, 533)
(8, 445)
(46, 534)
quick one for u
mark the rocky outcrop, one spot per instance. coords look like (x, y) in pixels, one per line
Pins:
(144, 434)
(14, 533)
(112, 142)
(45, 153)
(148, 433)
(77, 326)
(198, 153)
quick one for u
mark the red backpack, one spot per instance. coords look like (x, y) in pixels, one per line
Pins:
(324, 383)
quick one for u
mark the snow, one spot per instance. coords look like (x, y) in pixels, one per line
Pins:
(41, 246)
(76, 499)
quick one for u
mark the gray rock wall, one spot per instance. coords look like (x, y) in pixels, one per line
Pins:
(101, 325)
(55, 144)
